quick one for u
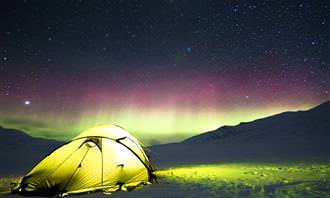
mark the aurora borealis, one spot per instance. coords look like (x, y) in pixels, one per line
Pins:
(164, 70)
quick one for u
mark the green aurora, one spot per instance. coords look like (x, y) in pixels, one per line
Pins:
(149, 125)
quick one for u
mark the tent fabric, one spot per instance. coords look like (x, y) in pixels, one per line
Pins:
(100, 159)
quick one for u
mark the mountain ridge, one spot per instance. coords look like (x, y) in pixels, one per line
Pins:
(21, 151)
(226, 131)
(299, 135)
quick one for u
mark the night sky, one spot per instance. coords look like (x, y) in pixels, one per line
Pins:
(162, 69)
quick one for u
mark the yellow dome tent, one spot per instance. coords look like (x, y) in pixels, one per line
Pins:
(101, 159)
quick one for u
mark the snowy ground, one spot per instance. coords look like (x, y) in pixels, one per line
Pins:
(233, 180)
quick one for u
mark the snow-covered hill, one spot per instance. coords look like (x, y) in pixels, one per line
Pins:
(19, 152)
(302, 135)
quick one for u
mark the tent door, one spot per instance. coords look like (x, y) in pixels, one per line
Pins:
(89, 172)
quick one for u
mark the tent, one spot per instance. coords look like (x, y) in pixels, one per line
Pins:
(100, 159)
